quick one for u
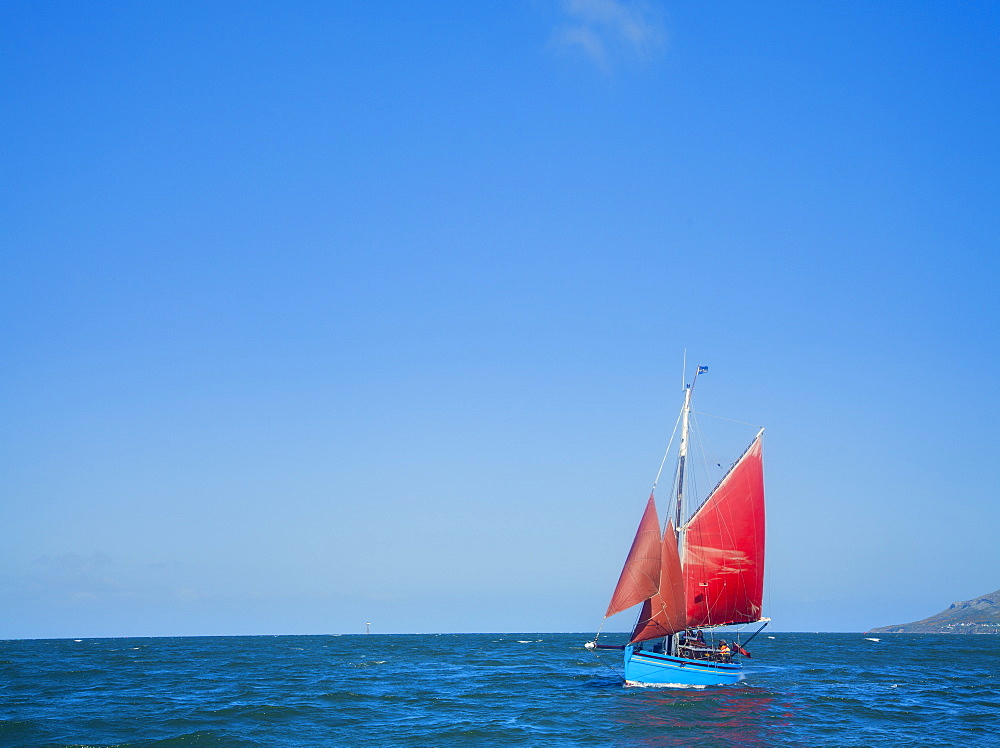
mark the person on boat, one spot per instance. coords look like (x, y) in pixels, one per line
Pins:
(694, 638)
(724, 652)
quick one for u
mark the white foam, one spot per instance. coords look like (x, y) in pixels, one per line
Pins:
(640, 684)
(870, 639)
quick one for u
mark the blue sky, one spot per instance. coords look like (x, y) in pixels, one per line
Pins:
(324, 313)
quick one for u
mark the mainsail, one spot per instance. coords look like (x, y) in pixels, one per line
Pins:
(640, 577)
(663, 614)
(723, 556)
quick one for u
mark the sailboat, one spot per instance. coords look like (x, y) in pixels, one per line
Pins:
(703, 570)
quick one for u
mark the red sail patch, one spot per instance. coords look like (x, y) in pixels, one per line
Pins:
(724, 548)
(664, 614)
(640, 576)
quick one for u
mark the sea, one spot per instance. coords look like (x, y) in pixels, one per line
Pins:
(538, 689)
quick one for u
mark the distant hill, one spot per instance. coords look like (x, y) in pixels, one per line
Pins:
(980, 615)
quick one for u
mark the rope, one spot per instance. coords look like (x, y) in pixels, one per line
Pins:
(596, 652)
(723, 418)
(599, 630)
(620, 675)
(706, 463)
(664, 460)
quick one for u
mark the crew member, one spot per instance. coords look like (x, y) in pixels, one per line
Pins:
(724, 650)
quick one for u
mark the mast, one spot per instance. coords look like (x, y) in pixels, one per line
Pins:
(683, 449)
(672, 641)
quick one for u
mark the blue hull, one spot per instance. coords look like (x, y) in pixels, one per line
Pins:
(648, 668)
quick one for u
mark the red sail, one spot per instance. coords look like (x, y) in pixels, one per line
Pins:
(664, 614)
(641, 573)
(724, 548)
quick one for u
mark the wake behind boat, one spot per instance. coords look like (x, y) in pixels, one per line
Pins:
(704, 570)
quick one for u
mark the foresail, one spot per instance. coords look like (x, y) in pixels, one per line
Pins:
(664, 613)
(640, 576)
(723, 556)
